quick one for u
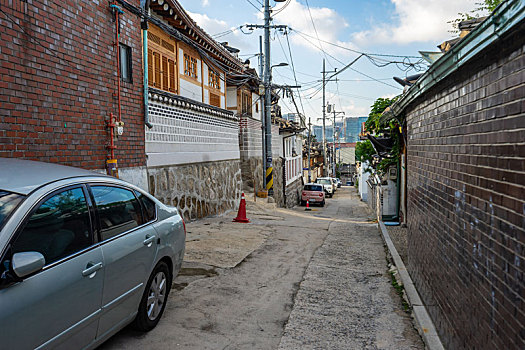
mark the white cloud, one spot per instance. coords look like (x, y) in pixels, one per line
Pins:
(328, 24)
(416, 21)
(214, 26)
(210, 25)
(205, 3)
(351, 110)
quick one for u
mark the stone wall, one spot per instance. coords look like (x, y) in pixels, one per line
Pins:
(250, 145)
(466, 203)
(293, 193)
(252, 172)
(289, 197)
(278, 172)
(198, 190)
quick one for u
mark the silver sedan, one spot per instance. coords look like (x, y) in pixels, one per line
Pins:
(81, 256)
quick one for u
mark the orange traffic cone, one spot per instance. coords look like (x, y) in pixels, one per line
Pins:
(307, 205)
(241, 215)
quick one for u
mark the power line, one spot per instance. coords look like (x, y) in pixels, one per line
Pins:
(316, 34)
(352, 50)
(293, 69)
(255, 7)
(281, 9)
(379, 81)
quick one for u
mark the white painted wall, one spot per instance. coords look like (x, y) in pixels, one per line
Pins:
(363, 186)
(231, 96)
(256, 101)
(205, 75)
(190, 90)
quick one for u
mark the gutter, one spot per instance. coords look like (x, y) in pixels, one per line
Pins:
(506, 16)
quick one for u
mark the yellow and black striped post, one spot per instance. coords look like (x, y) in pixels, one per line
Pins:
(269, 179)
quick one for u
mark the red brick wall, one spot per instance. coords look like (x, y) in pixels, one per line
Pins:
(58, 83)
(466, 199)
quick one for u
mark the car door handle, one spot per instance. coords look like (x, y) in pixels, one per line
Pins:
(91, 268)
(149, 239)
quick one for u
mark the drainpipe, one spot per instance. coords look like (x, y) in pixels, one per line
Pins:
(144, 26)
(118, 11)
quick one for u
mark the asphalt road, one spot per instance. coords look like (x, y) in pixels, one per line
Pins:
(304, 279)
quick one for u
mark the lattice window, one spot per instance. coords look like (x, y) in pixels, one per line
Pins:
(190, 66)
(214, 79)
(162, 61)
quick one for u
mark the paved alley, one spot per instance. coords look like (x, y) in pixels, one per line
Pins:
(291, 279)
(346, 300)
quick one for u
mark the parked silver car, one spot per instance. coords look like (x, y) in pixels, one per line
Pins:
(81, 256)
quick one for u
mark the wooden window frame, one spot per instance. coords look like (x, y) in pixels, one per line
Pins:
(190, 66)
(162, 61)
(214, 79)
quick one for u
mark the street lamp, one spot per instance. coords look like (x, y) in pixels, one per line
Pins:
(282, 64)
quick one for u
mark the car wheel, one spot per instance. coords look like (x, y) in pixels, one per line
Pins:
(303, 203)
(322, 203)
(330, 195)
(154, 299)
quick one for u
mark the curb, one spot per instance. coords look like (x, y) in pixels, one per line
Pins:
(423, 321)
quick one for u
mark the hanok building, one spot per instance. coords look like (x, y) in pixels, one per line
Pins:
(192, 149)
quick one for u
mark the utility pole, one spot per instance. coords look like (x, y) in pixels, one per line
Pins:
(263, 119)
(309, 143)
(267, 118)
(324, 126)
(268, 99)
(325, 164)
(333, 154)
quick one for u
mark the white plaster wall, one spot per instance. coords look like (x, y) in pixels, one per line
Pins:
(190, 90)
(231, 97)
(206, 98)
(256, 100)
(181, 62)
(363, 186)
(223, 102)
(137, 176)
(277, 143)
(205, 75)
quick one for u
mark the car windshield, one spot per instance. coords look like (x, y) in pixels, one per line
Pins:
(324, 181)
(8, 203)
(313, 188)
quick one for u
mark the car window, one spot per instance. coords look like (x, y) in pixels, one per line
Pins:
(8, 202)
(59, 227)
(118, 210)
(313, 188)
(149, 207)
(323, 181)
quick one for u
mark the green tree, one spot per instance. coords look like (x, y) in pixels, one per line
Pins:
(373, 124)
(364, 151)
(389, 127)
(483, 8)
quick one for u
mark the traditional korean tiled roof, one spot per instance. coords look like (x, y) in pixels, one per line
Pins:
(183, 102)
(173, 13)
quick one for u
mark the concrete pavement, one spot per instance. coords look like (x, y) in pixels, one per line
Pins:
(346, 299)
(290, 279)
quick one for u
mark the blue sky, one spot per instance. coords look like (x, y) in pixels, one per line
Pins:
(397, 27)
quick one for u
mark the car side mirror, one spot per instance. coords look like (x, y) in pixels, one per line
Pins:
(26, 263)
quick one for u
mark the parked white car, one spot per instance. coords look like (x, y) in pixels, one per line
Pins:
(328, 184)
